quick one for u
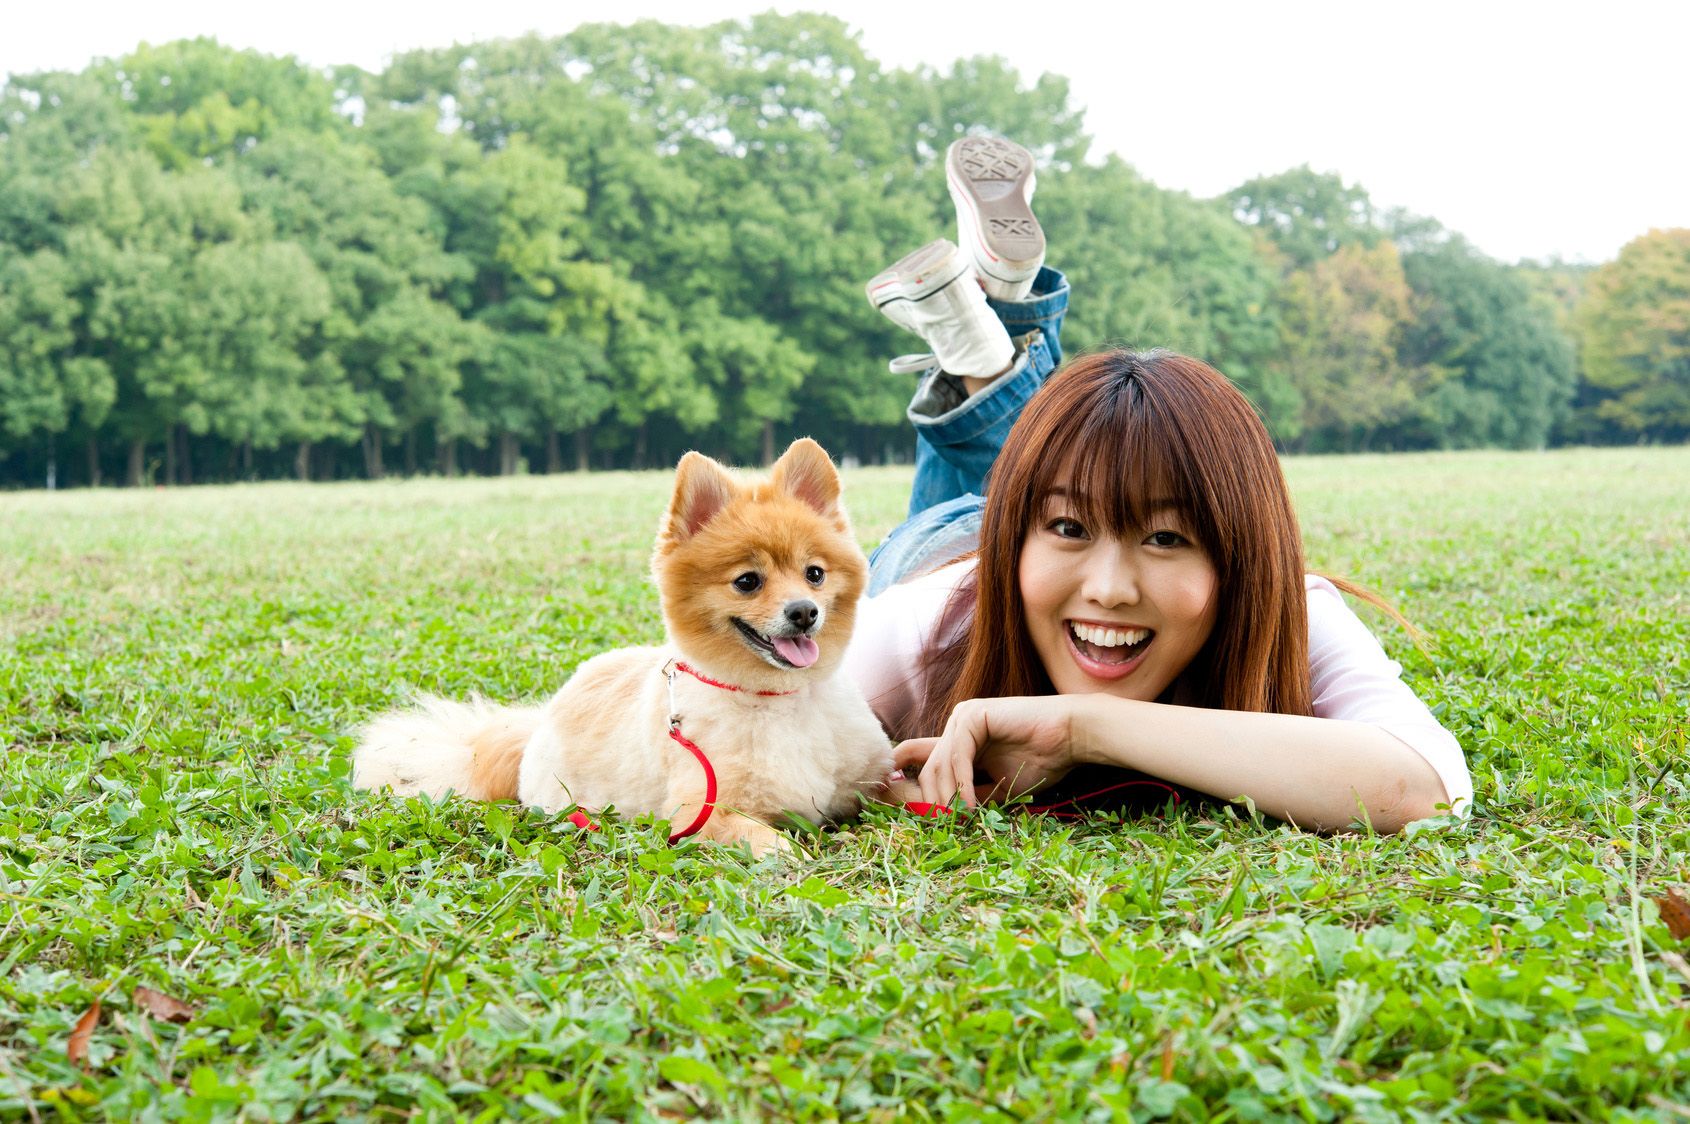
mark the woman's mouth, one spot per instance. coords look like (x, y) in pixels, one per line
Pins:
(1107, 651)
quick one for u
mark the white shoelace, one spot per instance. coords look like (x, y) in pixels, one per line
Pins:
(911, 364)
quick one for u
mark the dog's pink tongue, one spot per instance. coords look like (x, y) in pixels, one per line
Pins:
(799, 651)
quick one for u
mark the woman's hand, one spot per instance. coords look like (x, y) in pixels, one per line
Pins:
(1023, 744)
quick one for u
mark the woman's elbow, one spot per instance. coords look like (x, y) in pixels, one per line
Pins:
(1405, 800)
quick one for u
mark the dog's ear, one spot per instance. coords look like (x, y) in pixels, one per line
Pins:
(805, 472)
(702, 489)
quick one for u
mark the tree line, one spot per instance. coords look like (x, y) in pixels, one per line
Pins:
(601, 249)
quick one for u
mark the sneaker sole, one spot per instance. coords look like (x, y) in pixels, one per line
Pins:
(917, 269)
(990, 177)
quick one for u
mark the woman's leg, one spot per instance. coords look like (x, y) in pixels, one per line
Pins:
(992, 314)
(958, 436)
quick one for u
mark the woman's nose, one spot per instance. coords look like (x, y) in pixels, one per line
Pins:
(1110, 576)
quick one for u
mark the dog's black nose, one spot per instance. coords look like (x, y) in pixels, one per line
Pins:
(802, 614)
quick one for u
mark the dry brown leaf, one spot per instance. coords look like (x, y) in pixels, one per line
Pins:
(77, 1048)
(163, 1007)
(1675, 911)
(1168, 1058)
(1088, 1022)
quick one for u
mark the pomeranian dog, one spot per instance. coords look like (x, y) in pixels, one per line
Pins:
(740, 718)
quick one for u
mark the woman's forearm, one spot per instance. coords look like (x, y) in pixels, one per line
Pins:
(1317, 773)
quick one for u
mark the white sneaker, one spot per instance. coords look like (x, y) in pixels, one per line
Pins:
(991, 182)
(932, 292)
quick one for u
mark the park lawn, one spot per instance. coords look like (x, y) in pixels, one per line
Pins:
(179, 671)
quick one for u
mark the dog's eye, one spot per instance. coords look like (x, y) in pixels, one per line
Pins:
(749, 582)
(814, 575)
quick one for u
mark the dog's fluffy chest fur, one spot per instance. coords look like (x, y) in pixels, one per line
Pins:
(605, 741)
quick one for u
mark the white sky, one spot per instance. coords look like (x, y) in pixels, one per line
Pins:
(1536, 129)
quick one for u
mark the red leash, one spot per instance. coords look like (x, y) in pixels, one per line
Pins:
(585, 822)
(930, 811)
(1050, 809)
(709, 782)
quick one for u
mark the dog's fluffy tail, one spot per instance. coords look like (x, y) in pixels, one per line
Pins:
(473, 749)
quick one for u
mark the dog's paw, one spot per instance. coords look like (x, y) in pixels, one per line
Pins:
(898, 790)
(767, 841)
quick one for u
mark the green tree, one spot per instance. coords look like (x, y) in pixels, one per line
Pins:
(1504, 371)
(133, 234)
(196, 100)
(51, 125)
(597, 347)
(400, 348)
(1157, 268)
(1308, 215)
(1634, 326)
(49, 382)
(260, 306)
(1341, 321)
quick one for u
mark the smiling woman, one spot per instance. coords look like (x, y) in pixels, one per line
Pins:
(1129, 591)
(1124, 610)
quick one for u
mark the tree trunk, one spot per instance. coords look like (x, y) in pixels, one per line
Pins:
(768, 443)
(449, 458)
(639, 446)
(137, 462)
(554, 453)
(583, 449)
(508, 451)
(170, 455)
(185, 460)
(411, 452)
(302, 461)
(371, 441)
(93, 462)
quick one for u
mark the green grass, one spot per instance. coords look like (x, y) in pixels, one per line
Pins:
(179, 670)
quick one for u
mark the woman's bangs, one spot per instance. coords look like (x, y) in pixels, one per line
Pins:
(1115, 471)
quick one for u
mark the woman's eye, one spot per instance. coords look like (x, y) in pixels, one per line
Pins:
(749, 582)
(1067, 529)
(1166, 539)
(814, 575)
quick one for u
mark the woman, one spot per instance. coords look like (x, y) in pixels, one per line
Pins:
(1138, 597)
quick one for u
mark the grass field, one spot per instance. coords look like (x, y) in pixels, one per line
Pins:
(179, 670)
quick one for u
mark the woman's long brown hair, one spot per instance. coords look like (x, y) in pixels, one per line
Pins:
(1121, 432)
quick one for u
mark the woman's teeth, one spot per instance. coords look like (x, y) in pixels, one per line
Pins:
(1109, 645)
(1108, 637)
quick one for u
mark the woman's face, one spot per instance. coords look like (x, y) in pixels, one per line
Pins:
(1122, 615)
